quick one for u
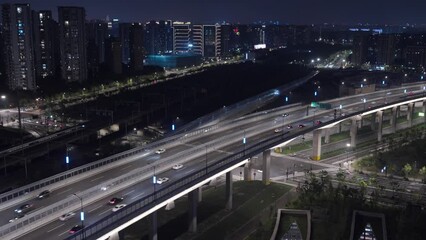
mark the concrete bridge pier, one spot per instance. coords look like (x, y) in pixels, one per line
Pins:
(114, 236)
(247, 171)
(316, 145)
(410, 114)
(327, 135)
(380, 127)
(353, 131)
(153, 234)
(266, 166)
(424, 110)
(200, 193)
(192, 213)
(394, 118)
(373, 121)
(228, 190)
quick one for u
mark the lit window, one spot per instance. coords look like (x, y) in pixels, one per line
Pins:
(19, 10)
(67, 23)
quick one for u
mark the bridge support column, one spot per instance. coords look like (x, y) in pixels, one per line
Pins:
(247, 171)
(228, 190)
(424, 110)
(353, 132)
(393, 119)
(114, 236)
(200, 193)
(192, 213)
(410, 111)
(327, 135)
(153, 235)
(398, 112)
(380, 127)
(316, 145)
(373, 121)
(266, 166)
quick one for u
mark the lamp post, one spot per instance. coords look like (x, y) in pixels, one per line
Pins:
(244, 142)
(67, 157)
(348, 145)
(206, 159)
(81, 214)
(282, 130)
(154, 182)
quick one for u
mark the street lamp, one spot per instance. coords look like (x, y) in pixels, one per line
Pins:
(282, 130)
(67, 158)
(81, 214)
(348, 145)
(244, 142)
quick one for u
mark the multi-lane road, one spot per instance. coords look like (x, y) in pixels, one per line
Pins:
(260, 127)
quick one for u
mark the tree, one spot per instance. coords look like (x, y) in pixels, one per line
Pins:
(407, 169)
(422, 172)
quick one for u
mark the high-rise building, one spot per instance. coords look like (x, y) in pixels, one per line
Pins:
(157, 37)
(182, 37)
(125, 42)
(96, 33)
(206, 40)
(415, 56)
(360, 49)
(113, 27)
(18, 46)
(386, 49)
(136, 47)
(113, 55)
(45, 44)
(72, 38)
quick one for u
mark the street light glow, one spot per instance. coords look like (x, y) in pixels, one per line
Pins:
(3, 96)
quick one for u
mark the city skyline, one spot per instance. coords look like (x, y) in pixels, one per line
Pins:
(300, 12)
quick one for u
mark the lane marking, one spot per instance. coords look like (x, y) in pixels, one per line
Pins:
(127, 167)
(138, 195)
(65, 191)
(109, 210)
(62, 233)
(97, 178)
(100, 205)
(56, 227)
(128, 193)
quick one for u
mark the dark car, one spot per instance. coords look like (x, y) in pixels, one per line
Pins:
(24, 208)
(44, 194)
(115, 200)
(301, 126)
(318, 122)
(289, 126)
(16, 217)
(75, 229)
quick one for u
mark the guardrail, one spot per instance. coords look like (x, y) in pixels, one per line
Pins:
(43, 215)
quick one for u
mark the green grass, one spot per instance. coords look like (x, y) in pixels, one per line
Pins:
(333, 153)
(339, 136)
(297, 147)
(248, 202)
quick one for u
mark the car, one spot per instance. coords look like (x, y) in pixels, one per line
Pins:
(24, 208)
(66, 216)
(301, 126)
(162, 180)
(16, 217)
(115, 200)
(277, 130)
(106, 187)
(75, 229)
(44, 194)
(177, 166)
(118, 207)
(289, 126)
(160, 151)
(318, 122)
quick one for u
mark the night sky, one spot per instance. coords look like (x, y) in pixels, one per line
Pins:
(248, 11)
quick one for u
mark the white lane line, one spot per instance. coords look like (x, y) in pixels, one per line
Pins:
(109, 210)
(128, 193)
(62, 233)
(97, 178)
(65, 191)
(126, 167)
(138, 195)
(56, 227)
(100, 205)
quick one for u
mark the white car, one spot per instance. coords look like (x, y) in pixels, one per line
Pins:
(277, 130)
(66, 216)
(160, 151)
(177, 166)
(118, 207)
(162, 180)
